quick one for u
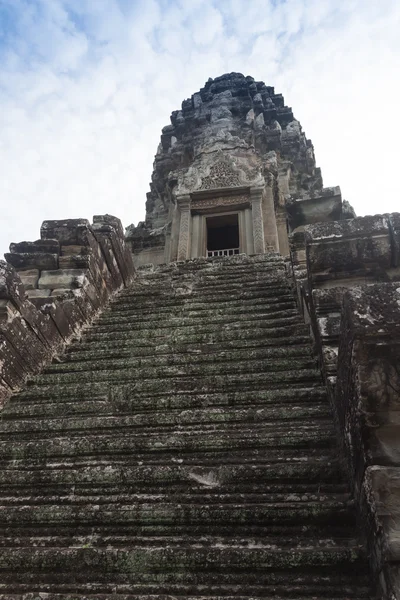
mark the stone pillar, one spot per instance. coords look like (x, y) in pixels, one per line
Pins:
(270, 227)
(258, 225)
(184, 228)
(196, 241)
(249, 231)
(283, 238)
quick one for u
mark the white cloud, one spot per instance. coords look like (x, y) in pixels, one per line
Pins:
(86, 87)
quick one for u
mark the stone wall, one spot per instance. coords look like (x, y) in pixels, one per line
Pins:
(50, 288)
(347, 276)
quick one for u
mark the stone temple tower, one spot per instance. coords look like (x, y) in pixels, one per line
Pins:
(208, 407)
(234, 173)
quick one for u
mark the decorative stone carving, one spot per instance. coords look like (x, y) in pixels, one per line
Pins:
(219, 170)
(258, 228)
(221, 175)
(207, 203)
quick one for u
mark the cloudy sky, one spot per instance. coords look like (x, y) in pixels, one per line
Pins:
(87, 85)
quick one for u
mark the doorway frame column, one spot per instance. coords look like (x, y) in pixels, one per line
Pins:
(256, 194)
(184, 227)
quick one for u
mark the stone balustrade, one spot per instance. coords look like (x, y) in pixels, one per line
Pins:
(367, 402)
(50, 288)
(347, 275)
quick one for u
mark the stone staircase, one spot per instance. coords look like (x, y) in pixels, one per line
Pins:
(182, 448)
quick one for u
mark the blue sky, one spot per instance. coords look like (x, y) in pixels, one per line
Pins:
(87, 85)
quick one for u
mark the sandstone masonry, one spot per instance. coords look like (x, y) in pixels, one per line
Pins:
(207, 407)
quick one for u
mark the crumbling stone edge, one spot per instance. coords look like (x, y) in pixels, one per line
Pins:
(51, 288)
(347, 277)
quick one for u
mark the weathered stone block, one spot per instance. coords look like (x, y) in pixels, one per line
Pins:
(11, 286)
(30, 279)
(383, 484)
(368, 384)
(328, 301)
(38, 293)
(65, 323)
(37, 260)
(108, 227)
(73, 250)
(40, 246)
(109, 256)
(66, 279)
(13, 370)
(348, 246)
(374, 311)
(26, 350)
(324, 205)
(112, 221)
(74, 261)
(66, 231)
(329, 327)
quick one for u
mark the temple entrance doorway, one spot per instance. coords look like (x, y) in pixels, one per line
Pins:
(223, 235)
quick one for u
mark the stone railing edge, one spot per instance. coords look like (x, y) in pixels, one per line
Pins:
(51, 288)
(347, 278)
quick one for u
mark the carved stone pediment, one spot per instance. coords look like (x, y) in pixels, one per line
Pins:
(220, 170)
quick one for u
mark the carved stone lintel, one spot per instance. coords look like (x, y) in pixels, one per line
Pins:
(220, 201)
(258, 226)
(183, 245)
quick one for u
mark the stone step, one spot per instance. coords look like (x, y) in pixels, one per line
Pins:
(182, 319)
(121, 303)
(31, 429)
(314, 472)
(199, 484)
(210, 268)
(125, 398)
(200, 487)
(293, 459)
(274, 272)
(146, 295)
(183, 308)
(270, 285)
(271, 416)
(94, 536)
(216, 440)
(99, 539)
(148, 383)
(270, 585)
(168, 356)
(183, 448)
(132, 368)
(160, 347)
(218, 286)
(195, 510)
(208, 321)
(276, 276)
(318, 593)
(176, 559)
(201, 335)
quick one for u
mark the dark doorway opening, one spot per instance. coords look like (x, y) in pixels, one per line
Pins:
(223, 235)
